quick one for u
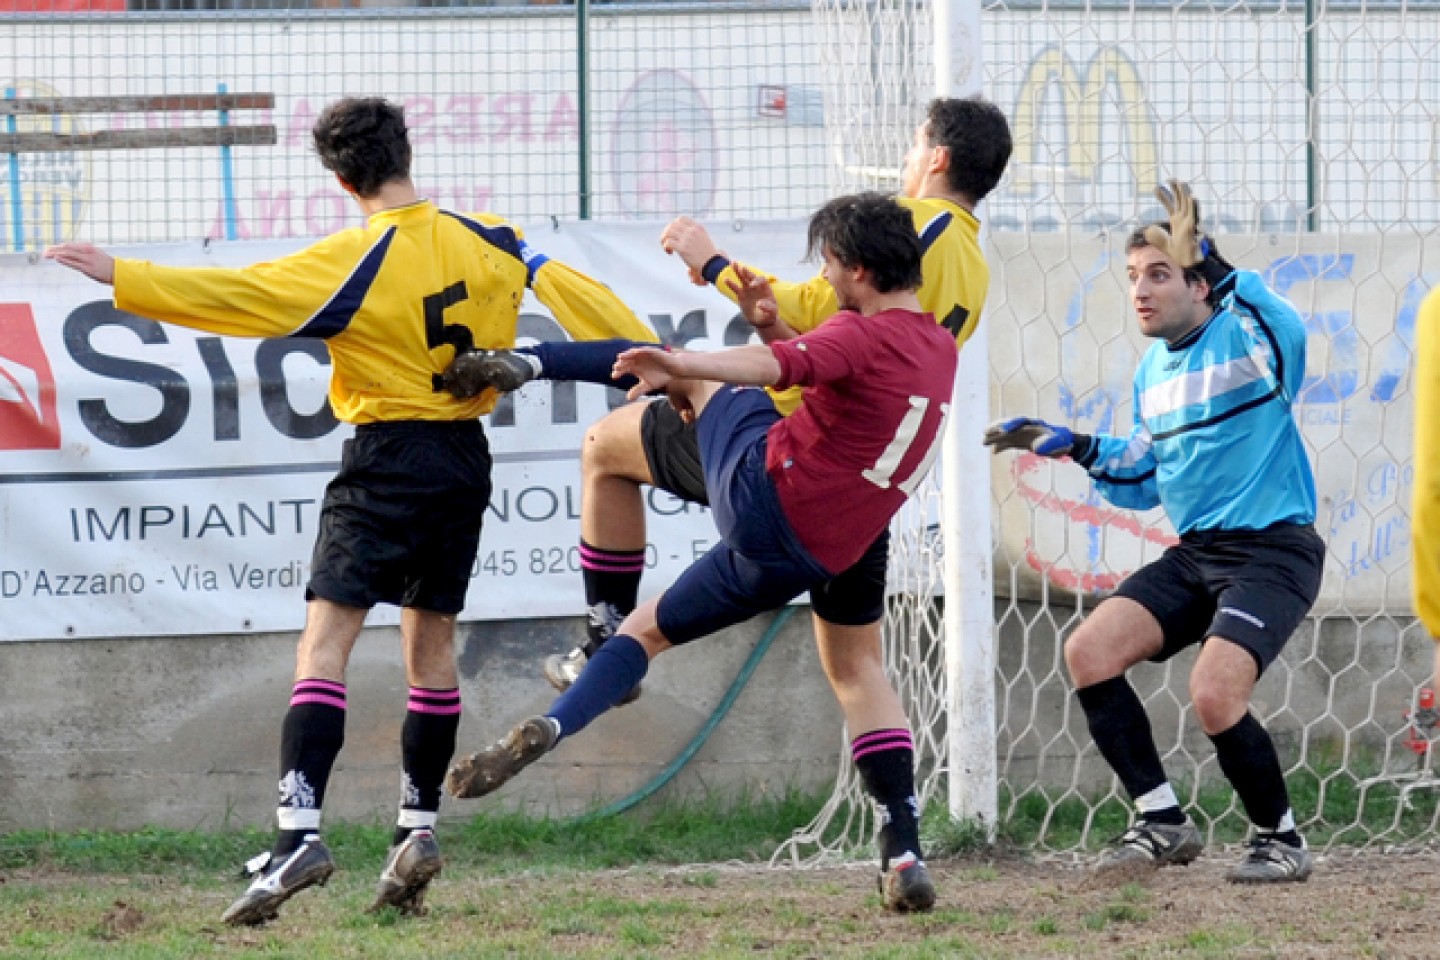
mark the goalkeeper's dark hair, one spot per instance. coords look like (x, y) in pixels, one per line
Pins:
(870, 230)
(1193, 275)
(978, 138)
(363, 141)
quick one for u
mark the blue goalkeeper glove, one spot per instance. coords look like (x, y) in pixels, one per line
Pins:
(1037, 436)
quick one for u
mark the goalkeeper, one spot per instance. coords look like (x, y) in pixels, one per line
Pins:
(1216, 444)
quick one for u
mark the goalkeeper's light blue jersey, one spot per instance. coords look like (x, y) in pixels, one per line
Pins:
(1215, 441)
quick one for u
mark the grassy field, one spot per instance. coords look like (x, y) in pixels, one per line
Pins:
(685, 882)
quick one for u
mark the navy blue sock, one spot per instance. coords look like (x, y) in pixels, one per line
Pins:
(588, 361)
(611, 673)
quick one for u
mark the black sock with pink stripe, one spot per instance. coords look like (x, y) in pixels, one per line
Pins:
(886, 761)
(427, 742)
(612, 583)
(310, 739)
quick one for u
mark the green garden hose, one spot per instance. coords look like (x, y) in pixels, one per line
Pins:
(698, 741)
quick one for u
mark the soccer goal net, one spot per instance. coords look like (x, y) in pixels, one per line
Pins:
(1310, 136)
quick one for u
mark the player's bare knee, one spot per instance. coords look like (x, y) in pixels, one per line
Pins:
(1086, 659)
(613, 444)
(1218, 705)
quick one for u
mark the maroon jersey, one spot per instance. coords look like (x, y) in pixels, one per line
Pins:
(877, 390)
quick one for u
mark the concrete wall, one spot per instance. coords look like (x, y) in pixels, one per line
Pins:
(184, 732)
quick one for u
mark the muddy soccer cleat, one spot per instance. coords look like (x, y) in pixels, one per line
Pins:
(485, 772)
(476, 370)
(905, 885)
(1151, 845)
(409, 868)
(308, 865)
(1272, 861)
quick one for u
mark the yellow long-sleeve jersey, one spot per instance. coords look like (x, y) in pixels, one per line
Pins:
(954, 279)
(1425, 506)
(392, 300)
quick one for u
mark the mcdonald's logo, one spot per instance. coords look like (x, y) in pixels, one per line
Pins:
(1075, 125)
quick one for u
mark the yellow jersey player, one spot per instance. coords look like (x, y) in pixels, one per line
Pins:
(1425, 508)
(400, 523)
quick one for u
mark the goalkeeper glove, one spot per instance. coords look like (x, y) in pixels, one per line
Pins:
(1185, 242)
(1037, 436)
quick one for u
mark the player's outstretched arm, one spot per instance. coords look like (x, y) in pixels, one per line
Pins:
(654, 369)
(86, 258)
(586, 308)
(753, 364)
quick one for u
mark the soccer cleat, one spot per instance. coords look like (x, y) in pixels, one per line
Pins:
(409, 868)
(1149, 844)
(906, 887)
(487, 771)
(1272, 861)
(308, 865)
(563, 669)
(474, 370)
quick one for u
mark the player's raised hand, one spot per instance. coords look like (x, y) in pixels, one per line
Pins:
(86, 258)
(755, 297)
(652, 366)
(691, 242)
(1183, 242)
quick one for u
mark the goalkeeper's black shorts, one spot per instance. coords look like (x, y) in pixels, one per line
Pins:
(1251, 587)
(854, 598)
(401, 520)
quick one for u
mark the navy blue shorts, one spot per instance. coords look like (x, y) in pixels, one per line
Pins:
(401, 520)
(758, 564)
(855, 597)
(1252, 587)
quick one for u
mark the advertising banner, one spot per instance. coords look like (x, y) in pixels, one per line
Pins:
(156, 480)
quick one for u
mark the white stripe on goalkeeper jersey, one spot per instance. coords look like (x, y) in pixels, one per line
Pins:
(1204, 385)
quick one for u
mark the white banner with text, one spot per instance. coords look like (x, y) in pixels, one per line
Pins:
(156, 480)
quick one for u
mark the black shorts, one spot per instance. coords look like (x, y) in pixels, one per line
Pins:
(855, 597)
(1252, 587)
(672, 452)
(401, 520)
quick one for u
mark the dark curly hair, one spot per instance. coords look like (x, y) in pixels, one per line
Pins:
(870, 230)
(978, 137)
(363, 141)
